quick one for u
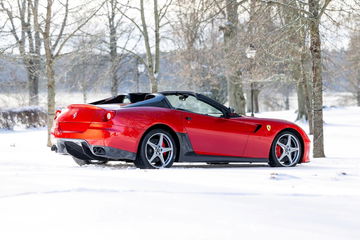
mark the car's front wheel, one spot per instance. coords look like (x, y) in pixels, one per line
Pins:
(157, 150)
(286, 150)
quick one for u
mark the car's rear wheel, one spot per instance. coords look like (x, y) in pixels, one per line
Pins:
(157, 150)
(286, 150)
(82, 162)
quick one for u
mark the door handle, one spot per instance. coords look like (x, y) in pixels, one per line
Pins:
(188, 118)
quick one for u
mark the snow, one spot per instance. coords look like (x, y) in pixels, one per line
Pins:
(46, 196)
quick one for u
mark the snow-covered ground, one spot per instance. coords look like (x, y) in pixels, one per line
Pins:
(46, 196)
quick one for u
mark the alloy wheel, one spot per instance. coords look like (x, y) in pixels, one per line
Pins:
(287, 150)
(159, 150)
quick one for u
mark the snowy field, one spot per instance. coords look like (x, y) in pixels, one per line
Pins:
(46, 196)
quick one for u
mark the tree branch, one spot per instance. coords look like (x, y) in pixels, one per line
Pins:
(77, 29)
(324, 8)
(62, 26)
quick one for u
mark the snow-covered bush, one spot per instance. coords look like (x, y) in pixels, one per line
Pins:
(25, 117)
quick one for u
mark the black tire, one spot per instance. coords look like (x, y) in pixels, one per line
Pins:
(285, 156)
(150, 155)
(82, 162)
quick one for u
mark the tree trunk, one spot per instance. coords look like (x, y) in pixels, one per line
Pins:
(49, 63)
(114, 80)
(301, 93)
(113, 48)
(256, 100)
(33, 71)
(307, 94)
(37, 57)
(287, 102)
(50, 96)
(84, 95)
(234, 76)
(157, 43)
(34, 45)
(149, 57)
(248, 101)
(302, 111)
(315, 48)
(358, 89)
(137, 75)
(153, 81)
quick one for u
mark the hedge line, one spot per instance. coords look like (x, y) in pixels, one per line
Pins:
(22, 117)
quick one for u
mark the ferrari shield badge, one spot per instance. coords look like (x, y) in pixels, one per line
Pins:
(268, 127)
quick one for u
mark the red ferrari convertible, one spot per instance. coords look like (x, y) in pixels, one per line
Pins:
(154, 130)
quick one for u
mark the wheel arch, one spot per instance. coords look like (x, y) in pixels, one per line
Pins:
(163, 127)
(292, 130)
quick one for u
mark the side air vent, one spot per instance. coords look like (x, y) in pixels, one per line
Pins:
(257, 127)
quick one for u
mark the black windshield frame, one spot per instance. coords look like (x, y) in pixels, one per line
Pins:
(225, 111)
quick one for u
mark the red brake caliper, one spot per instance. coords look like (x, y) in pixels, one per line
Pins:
(278, 151)
(163, 145)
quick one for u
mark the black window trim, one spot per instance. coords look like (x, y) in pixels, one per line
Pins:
(225, 111)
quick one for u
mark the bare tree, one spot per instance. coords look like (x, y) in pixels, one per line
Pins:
(84, 65)
(113, 24)
(191, 23)
(233, 72)
(159, 14)
(55, 40)
(27, 39)
(152, 63)
(316, 11)
(353, 56)
(295, 40)
(117, 30)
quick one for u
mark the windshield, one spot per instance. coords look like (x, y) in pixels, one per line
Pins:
(192, 104)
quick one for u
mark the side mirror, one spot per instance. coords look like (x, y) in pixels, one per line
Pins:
(231, 113)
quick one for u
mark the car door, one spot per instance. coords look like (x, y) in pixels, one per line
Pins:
(211, 135)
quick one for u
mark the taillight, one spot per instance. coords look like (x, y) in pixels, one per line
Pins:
(57, 113)
(109, 115)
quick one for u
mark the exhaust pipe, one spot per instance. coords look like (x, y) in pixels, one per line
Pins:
(54, 148)
(99, 151)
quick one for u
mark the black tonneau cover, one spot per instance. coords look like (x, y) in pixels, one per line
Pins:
(136, 100)
(132, 97)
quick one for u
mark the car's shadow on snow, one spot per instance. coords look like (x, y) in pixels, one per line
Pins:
(187, 165)
(230, 165)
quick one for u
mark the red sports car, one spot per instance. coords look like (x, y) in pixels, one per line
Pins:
(154, 130)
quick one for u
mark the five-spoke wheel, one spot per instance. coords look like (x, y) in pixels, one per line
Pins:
(286, 150)
(157, 150)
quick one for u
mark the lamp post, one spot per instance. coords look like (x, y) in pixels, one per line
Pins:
(140, 69)
(251, 53)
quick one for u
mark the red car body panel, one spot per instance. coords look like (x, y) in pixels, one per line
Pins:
(246, 137)
(262, 139)
(217, 136)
